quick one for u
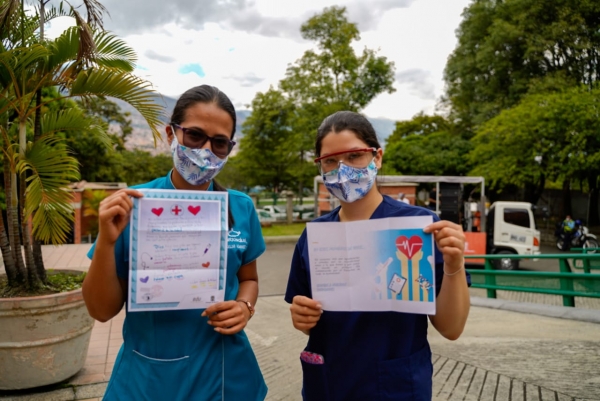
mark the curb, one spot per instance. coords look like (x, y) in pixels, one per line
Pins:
(282, 239)
(561, 312)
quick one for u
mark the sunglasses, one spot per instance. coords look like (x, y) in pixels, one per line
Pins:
(195, 138)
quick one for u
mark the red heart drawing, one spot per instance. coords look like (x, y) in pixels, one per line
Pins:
(158, 211)
(194, 209)
(207, 263)
(409, 246)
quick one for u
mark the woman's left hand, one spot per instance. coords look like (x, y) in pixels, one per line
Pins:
(450, 240)
(227, 317)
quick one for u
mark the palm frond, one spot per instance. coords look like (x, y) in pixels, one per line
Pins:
(114, 52)
(8, 15)
(64, 49)
(94, 13)
(50, 169)
(75, 119)
(124, 86)
(87, 47)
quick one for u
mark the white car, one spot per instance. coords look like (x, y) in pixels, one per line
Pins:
(279, 212)
(264, 216)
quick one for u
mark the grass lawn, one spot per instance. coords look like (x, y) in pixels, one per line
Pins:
(283, 229)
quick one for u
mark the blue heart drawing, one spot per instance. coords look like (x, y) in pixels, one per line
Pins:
(144, 279)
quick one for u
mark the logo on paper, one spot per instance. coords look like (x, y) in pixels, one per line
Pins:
(176, 210)
(409, 246)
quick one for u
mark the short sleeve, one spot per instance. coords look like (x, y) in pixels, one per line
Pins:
(298, 281)
(256, 242)
(121, 254)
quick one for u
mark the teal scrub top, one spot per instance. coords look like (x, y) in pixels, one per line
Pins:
(176, 355)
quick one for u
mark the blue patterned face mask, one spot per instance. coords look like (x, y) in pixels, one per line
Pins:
(350, 184)
(196, 166)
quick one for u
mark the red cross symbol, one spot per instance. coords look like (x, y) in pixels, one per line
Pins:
(176, 210)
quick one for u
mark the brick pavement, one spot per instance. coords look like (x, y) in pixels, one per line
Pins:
(501, 356)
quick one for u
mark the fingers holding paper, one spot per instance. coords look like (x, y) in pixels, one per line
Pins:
(113, 213)
(305, 312)
(450, 240)
(227, 317)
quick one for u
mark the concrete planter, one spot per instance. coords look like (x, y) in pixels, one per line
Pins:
(43, 340)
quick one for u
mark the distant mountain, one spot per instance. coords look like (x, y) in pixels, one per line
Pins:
(141, 137)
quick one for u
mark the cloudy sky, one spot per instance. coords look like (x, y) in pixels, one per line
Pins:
(244, 46)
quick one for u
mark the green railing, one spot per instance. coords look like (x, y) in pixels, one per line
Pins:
(586, 264)
(564, 283)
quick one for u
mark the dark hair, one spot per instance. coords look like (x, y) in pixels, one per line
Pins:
(347, 120)
(203, 94)
(206, 94)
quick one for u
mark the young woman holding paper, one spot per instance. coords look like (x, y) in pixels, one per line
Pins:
(371, 355)
(182, 355)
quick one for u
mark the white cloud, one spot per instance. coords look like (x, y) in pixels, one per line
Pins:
(244, 46)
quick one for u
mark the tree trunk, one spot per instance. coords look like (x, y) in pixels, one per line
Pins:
(18, 203)
(533, 191)
(38, 259)
(593, 217)
(33, 281)
(15, 278)
(566, 193)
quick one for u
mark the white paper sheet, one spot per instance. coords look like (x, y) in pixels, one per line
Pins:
(373, 265)
(178, 250)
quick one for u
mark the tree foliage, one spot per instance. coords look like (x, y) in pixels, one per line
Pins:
(505, 48)
(545, 137)
(427, 145)
(324, 80)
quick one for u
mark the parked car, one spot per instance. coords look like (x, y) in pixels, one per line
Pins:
(265, 217)
(279, 212)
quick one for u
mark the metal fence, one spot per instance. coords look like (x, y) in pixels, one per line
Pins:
(565, 283)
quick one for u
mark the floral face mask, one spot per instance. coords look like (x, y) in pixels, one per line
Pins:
(196, 166)
(350, 184)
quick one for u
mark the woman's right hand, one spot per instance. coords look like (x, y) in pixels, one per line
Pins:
(306, 313)
(113, 214)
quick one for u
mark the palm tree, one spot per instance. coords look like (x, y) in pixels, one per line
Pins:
(82, 63)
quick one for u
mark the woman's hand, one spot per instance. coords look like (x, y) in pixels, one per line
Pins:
(450, 240)
(306, 313)
(227, 317)
(113, 214)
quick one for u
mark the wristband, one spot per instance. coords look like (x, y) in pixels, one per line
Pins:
(456, 272)
(249, 305)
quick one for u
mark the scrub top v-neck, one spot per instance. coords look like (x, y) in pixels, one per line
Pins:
(366, 355)
(176, 355)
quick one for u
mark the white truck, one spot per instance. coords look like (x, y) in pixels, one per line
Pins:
(511, 230)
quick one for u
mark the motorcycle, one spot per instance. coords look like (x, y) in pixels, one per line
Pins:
(580, 237)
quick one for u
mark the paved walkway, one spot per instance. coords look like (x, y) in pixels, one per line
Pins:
(502, 355)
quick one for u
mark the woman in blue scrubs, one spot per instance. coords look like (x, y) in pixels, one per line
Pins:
(371, 355)
(185, 354)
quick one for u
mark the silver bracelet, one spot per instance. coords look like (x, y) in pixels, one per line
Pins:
(456, 272)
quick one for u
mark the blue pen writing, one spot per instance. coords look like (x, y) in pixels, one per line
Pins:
(206, 250)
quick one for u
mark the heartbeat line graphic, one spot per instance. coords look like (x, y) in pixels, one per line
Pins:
(409, 246)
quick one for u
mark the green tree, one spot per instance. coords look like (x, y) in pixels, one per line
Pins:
(82, 63)
(545, 137)
(324, 80)
(266, 157)
(507, 47)
(427, 145)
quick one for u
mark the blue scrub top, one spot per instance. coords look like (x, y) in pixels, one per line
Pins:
(367, 355)
(176, 355)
